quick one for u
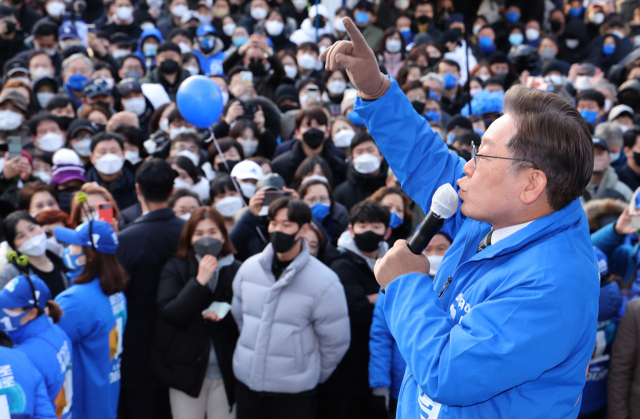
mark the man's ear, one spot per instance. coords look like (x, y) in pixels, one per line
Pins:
(536, 183)
(388, 233)
(350, 227)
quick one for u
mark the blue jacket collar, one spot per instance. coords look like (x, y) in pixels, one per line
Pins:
(34, 328)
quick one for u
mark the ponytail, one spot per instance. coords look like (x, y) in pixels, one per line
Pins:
(54, 311)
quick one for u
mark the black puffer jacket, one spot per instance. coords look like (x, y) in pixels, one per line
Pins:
(182, 340)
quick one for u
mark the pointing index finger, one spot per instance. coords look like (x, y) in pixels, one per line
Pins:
(355, 35)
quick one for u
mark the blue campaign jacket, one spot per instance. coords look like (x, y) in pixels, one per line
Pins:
(386, 366)
(23, 393)
(95, 324)
(211, 65)
(513, 332)
(49, 349)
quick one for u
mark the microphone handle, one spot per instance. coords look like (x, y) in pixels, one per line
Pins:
(429, 228)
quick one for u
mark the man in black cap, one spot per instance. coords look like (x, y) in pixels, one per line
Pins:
(11, 38)
(132, 99)
(122, 14)
(365, 19)
(16, 69)
(14, 112)
(25, 16)
(79, 137)
(97, 92)
(119, 45)
(604, 178)
(456, 124)
(168, 72)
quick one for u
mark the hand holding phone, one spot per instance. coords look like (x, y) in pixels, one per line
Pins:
(105, 212)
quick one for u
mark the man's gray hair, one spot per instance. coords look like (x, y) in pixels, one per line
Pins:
(610, 132)
(609, 86)
(433, 76)
(76, 56)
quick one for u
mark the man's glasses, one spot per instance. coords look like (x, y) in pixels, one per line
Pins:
(475, 155)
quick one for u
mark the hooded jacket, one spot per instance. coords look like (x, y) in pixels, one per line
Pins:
(145, 34)
(499, 333)
(211, 63)
(22, 381)
(351, 377)
(609, 181)
(358, 186)
(49, 349)
(294, 329)
(154, 76)
(287, 163)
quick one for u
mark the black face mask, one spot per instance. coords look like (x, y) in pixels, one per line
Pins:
(104, 105)
(368, 241)
(65, 121)
(424, 19)
(207, 246)
(282, 242)
(231, 163)
(257, 68)
(16, 2)
(418, 106)
(101, 127)
(11, 27)
(321, 22)
(556, 25)
(465, 154)
(636, 158)
(169, 67)
(313, 137)
(287, 108)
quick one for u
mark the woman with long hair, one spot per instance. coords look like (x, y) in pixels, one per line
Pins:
(95, 195)
(194, 297)
(399, 205)
(95, 315)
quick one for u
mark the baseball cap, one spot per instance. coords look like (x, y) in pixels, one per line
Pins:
(603, 263)
(205, 29)
(247, 169)
(619, 110)
(120, 39)
(80, 124)
(68, 31)
(271, 182)
(459, 121)
(322, 10)
(18, 292)
(129, 85)
(95, 87)
(361, 5)
(105, 239)
(599, 142)
(15, 65)
(16, 98)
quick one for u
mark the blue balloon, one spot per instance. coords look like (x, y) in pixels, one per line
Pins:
(200, 101)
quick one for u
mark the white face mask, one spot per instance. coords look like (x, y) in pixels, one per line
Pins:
(191, 156)
(119, 53)
(339, 25)
(572, 43)
(343, 138)
(623, 129)
(393, 46)
(150, 146)
(44, 99)
(147, 26)
(555, 79)
(228, 28)
(204, 20)
(55, 9)
(336, 87)
(248, 189)
(434, 264)
(124, 14)
(617, 33)
(248, 146)
(164, 125)
(366, 163)
(300, 4)
(597, 18)
(181, 184)
(43, 176)
(225, 98)
(184, 48)
(132, 156)
(532, 34)
(192, 69)
(35, 246)
(137, 105)
(476, 29)
(54, 246)
(83, 147)
(614, 156)
(179, 10)
(259, 13)
(274, 27)
(41, 72)
(474, 92)
(10, 120)
(177, 131)
(401, 4)
(306, 61)
(50, 142)
(291, 71)
(607, 105)
(228, 206)
(185, 217)
(109, 164)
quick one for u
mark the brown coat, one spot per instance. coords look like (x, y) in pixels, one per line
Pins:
(624, 373)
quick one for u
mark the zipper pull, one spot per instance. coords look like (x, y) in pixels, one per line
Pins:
(446, 285)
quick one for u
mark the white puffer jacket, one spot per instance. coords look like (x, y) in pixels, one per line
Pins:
(293, 331)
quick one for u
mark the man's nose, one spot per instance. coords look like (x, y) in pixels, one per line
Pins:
(468, 168)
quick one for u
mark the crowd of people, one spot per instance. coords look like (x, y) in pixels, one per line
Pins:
(151, 269)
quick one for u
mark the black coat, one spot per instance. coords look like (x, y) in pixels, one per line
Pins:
(359, 187)
(351, 377)
(245, 237)
(286, 164)
(182, 342)
(123, 189)
(129, 215)
(145, 246)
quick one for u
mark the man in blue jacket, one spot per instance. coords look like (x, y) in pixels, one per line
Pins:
(507, 327)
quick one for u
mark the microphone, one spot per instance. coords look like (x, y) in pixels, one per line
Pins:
(443, 205)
